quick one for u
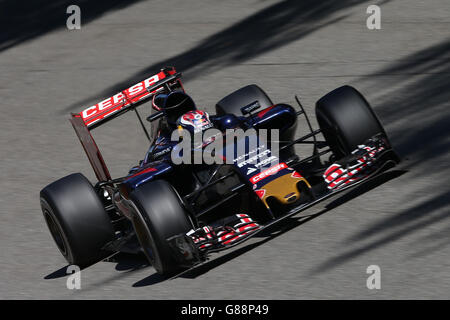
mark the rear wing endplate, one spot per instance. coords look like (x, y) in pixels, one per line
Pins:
(90, 147)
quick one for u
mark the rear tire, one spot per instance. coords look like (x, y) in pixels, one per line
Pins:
(233, 102)
(76, 219)
(160, 215)
(346, 120)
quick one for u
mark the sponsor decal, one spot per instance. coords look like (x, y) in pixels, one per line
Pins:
(268, 172)
(255, 158)
(262, 147)
(251, 170)
(250, 107)
(120, 100)
(162, 152)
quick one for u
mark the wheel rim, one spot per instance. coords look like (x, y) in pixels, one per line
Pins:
(55, 231)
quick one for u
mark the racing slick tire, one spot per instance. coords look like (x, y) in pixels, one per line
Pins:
(346, 120)
(233, 102)
(77, 220)
(159, 215)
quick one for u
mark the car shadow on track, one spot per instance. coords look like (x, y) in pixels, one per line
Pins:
(60, 273)
(278, 229)
(124, 262)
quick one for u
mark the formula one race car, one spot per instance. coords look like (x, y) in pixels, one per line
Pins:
(179, 212)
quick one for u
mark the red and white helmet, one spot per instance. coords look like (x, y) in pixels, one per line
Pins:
(195, 121)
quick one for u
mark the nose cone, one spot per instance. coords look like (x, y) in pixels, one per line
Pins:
(284, 189)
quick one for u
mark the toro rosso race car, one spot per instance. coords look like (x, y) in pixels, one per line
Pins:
(178, 213)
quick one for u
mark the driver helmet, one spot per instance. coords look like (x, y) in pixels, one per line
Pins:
(194, 121)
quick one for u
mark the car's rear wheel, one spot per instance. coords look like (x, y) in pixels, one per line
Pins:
(233, 102)
(76, 219)
(160, 215)
(346, 120)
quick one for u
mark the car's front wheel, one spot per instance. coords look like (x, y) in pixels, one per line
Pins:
(346, 120)
(159, 216)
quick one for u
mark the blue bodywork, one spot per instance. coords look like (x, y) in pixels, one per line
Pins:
(157, 162)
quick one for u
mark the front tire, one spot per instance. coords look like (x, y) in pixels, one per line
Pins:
(160, 215)
(346, 120)
(76, 219)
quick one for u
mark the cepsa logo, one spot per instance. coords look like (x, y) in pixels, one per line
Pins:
(268, 172)
(118, 101)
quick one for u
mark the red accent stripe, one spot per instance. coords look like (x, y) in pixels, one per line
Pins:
(263, 112)
(141, 172)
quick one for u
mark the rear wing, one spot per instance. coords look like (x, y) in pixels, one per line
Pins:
(129, 99)
(108, 109)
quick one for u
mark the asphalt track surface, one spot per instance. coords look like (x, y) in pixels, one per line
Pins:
(401, 222)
